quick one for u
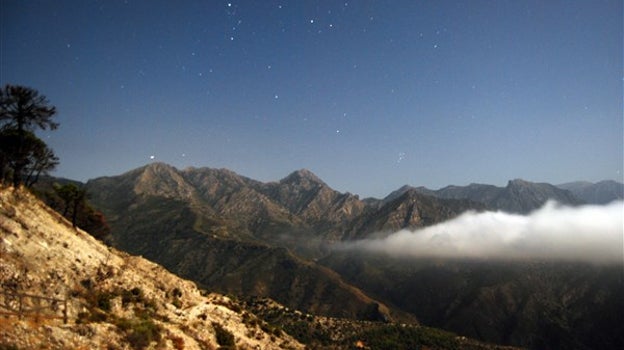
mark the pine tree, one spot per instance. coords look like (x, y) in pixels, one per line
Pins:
(23, 156)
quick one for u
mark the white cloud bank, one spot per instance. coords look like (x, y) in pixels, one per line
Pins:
(590, 233)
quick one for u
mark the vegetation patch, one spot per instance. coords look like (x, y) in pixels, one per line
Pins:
(225, 338)
(140, 332)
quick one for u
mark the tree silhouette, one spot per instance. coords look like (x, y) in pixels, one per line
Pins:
(74, 199)
(23, 156)
(36, 156)
(71, 201)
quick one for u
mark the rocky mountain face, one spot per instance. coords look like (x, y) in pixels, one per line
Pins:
(518, 196)
(227, 233)
(114, 300)
(602, 192)
(241, 236)
(409, 209)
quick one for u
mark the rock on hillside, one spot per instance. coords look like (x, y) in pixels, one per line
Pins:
(115, 301)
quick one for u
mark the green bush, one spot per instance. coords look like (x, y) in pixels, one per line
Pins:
(139, 332)
(135, 295)
(103, 301)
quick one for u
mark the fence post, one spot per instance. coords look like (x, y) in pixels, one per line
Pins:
(65, 310)
(20, 308)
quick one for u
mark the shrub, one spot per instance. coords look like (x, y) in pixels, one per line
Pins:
(225, 338)
(103, 301)
(139, 332)
(177, 302)
(135, 295)
(178, 342)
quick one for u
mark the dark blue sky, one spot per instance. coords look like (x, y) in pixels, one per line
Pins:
(369, 95)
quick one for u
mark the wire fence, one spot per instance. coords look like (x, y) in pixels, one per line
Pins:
(29, 305)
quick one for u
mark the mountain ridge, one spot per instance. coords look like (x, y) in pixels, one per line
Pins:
(601, 192)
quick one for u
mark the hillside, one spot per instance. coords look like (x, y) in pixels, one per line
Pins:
(114, 300)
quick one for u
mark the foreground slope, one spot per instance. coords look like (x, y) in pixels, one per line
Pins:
(114, 300)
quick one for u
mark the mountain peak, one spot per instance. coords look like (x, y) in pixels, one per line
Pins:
(518, 182)
(162, 179)
(302, 176)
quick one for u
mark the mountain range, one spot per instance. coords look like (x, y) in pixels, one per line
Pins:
(236, 235)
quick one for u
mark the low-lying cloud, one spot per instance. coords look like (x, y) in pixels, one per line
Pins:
(592, 233)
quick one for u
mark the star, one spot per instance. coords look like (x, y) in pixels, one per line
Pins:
(401, 157)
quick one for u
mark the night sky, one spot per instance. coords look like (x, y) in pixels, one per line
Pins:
(368, 95)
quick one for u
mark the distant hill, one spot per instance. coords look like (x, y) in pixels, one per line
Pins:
(519, 196)
(602, 192)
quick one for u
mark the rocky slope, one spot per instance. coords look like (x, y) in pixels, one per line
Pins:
(409, 209)
(115, 300)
